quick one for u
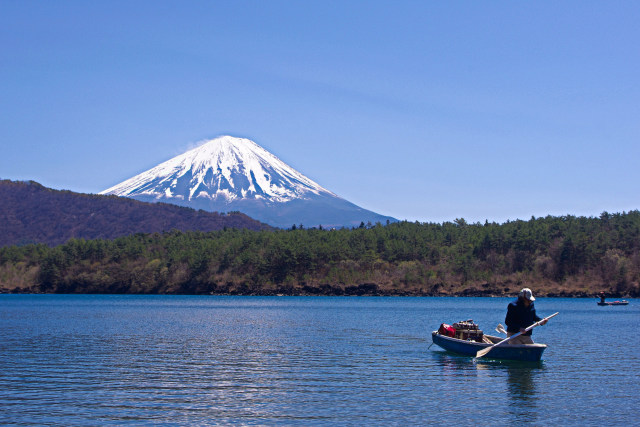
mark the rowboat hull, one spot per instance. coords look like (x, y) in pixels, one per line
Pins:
(623, 302)
(528, 352)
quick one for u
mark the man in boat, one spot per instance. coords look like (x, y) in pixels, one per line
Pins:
(602, 296)
(521, 313)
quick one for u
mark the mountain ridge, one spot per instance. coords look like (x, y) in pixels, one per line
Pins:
(33, 213)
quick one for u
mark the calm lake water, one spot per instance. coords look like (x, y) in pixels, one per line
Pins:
(198, 360)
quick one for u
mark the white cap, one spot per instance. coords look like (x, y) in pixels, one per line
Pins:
(526, 293)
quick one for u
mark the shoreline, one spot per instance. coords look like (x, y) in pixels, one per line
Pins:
(583, 295)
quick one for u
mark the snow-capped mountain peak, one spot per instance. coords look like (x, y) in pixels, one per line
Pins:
(224, 168)
(236, 174)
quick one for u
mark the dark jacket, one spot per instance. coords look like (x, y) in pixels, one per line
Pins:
(519, 316)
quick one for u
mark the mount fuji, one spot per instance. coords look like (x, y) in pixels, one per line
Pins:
(236, 174)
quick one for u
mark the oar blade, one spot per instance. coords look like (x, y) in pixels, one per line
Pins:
(484, 351)
(488, 349)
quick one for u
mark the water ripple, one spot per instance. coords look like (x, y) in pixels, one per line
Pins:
(69, 360)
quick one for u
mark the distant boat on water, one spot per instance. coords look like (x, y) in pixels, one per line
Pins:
(601, 295)
(623, 302)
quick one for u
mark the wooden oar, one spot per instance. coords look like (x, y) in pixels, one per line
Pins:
(488, 349)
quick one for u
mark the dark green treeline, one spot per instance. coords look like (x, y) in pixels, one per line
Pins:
(554, 255)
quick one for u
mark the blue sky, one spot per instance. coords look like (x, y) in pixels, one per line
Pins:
(421, 110)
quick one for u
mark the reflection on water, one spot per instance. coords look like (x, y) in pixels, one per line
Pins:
(518, 379)
(521, 381)
(523, 391)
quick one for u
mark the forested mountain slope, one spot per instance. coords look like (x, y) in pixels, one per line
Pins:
(32, 213)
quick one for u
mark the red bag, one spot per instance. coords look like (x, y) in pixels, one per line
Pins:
(447, 330)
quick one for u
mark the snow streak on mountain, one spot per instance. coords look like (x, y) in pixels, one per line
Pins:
(228, 174)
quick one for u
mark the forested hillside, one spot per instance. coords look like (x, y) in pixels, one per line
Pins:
(567, 255)
(32, 213)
